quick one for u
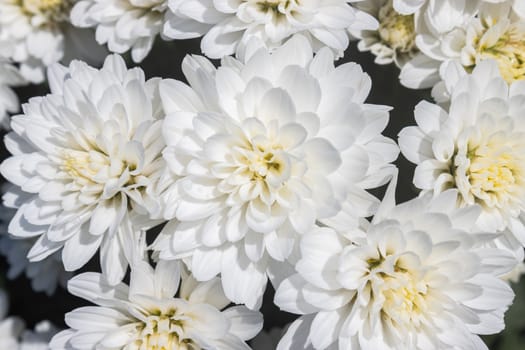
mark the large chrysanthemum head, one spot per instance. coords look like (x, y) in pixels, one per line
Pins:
(122, 25)
(394, 40)
(414, 279)
(476, 146)
(147, 315)
(229, 26)
(262, 150)
(86, 159)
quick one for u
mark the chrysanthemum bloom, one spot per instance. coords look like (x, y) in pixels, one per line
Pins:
(228, 26)
(477, 146)
(394, 40)
(263, 150)
(86, 159)
(148, 316)
(9, 77)
(122, 24)
(36, 33)
(467, 36)
(414, 279)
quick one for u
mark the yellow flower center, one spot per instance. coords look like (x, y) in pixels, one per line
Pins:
(272, 5)
(263, 162)
(494, 172)
(84, 166)
(396, 30)
(509, 52)
(404, 293)
(405, 299)
(92, 170)
(163, 332)
(54, 10)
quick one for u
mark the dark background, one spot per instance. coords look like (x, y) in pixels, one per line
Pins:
(165, 61)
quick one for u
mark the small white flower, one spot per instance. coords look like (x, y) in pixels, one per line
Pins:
(147, 315)
(9, 77)
(477, 146)
(228, 27)
(414, 279)
(394, 40)
(87, 159)
(45, 275)
(261, 151)
(122, 24)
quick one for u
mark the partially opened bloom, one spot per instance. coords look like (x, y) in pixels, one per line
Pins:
(86, 160)
(415, 278)
(228, 26)
(262, 150)
(476, 146)
(147, 315)
(122, 24)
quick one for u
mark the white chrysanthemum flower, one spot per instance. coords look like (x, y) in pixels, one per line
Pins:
(476, 146)
(468, 35)
(261, 151)
(10, 328)
(394, 40)
(36, 33)
(9, 77)
(45, 275)
(415, 279)
(122, 24)
(39, 338)
(88, 159)
(228, 27)
(148, 316)
(496, 34)
(31, 34)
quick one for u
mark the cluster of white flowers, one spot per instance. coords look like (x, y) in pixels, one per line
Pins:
(259, 168)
